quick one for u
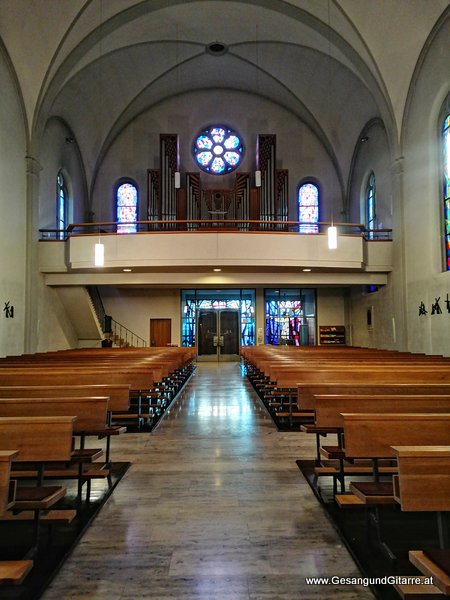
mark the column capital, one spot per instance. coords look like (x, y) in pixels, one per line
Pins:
(398, 165)
(34, 167)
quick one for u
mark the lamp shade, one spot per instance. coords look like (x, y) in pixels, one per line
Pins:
(332, 237)
(99, 255)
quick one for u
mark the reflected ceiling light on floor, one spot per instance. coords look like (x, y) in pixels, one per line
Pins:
(99, 255)
(306, 270)
(127, 270)
(217, 270)
(332, 237)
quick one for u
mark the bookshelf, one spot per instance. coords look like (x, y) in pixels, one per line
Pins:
(332, 335)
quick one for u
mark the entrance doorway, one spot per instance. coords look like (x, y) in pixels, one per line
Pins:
(160, 332)
(218, 335)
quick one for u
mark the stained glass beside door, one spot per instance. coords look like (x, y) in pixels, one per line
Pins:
(195, 300)
(290, 317)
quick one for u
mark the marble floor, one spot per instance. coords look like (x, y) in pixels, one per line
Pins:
(212, 508)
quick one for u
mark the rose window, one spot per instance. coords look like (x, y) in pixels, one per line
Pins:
(218, 150)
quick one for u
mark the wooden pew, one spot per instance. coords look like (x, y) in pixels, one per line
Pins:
(372, 436)
(38, 440)
(118, 394)
(308, 392)
(12, 572)
(91, 413)
(423, 484)
(137, 379)
(328, 420)
(329, 407)
(7, 488)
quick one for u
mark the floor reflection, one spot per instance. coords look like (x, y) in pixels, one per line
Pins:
(213, 508)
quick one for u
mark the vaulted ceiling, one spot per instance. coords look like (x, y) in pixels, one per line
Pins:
(98, 64)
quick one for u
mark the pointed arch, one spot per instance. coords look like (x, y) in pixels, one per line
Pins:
(308, 207)
(126, 200)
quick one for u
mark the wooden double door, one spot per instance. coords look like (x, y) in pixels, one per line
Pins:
(218, 335)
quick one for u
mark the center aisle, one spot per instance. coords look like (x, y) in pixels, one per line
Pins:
(212, 508)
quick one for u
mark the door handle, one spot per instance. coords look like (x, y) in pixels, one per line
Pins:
(221, 342)
(215, 341)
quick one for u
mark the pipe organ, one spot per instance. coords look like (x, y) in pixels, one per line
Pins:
(193, 198)
(281, 198)
(242, 202)
(242, 198)
(169, 166)
(266, 163)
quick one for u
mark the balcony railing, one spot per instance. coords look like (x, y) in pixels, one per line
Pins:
(216, 225)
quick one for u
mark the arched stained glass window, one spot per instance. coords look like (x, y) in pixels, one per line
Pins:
(308, 208)
(127, 207)
(446, 186)
(61, 205)
(371, 213)
(218, 150)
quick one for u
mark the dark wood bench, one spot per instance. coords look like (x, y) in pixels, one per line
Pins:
(423, 484)
(12, 572)
(91, 413)
(372, 436)
(38, 440)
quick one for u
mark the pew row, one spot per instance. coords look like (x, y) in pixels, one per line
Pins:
(12, 572)
(37, 440)
(91, 413)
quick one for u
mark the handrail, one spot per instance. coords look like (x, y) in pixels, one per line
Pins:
(99, 309)
(218, 225)
(124, 337)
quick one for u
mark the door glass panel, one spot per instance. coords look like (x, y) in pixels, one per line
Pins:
(207, 332)
(229, 332)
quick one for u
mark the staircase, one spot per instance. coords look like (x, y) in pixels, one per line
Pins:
(120, 335)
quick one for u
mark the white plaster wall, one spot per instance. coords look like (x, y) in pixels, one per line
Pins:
(426, 279)
(57, 154)
(135, 307)
(51, 328)
(372, 155)
(14, 217)
(137, 148)
(384, 332)
(330, 308)
(54, 327)
(387, 304)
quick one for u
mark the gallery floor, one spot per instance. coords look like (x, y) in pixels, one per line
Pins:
(213, 507)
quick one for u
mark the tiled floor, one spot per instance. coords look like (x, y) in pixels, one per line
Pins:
(213, 508)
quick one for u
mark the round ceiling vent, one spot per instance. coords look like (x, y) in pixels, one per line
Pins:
(216, 49)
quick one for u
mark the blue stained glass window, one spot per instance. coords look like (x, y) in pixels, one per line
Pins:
(204, 158)
(232, 158)
(308, 208)
(61, 205)
(218, 134)
(371, 215)
(446, 186)
(242, 300)
(232, 142)
(290, 317)
(204, 142)
(218, 166)
(218, 150)
(126, 206)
